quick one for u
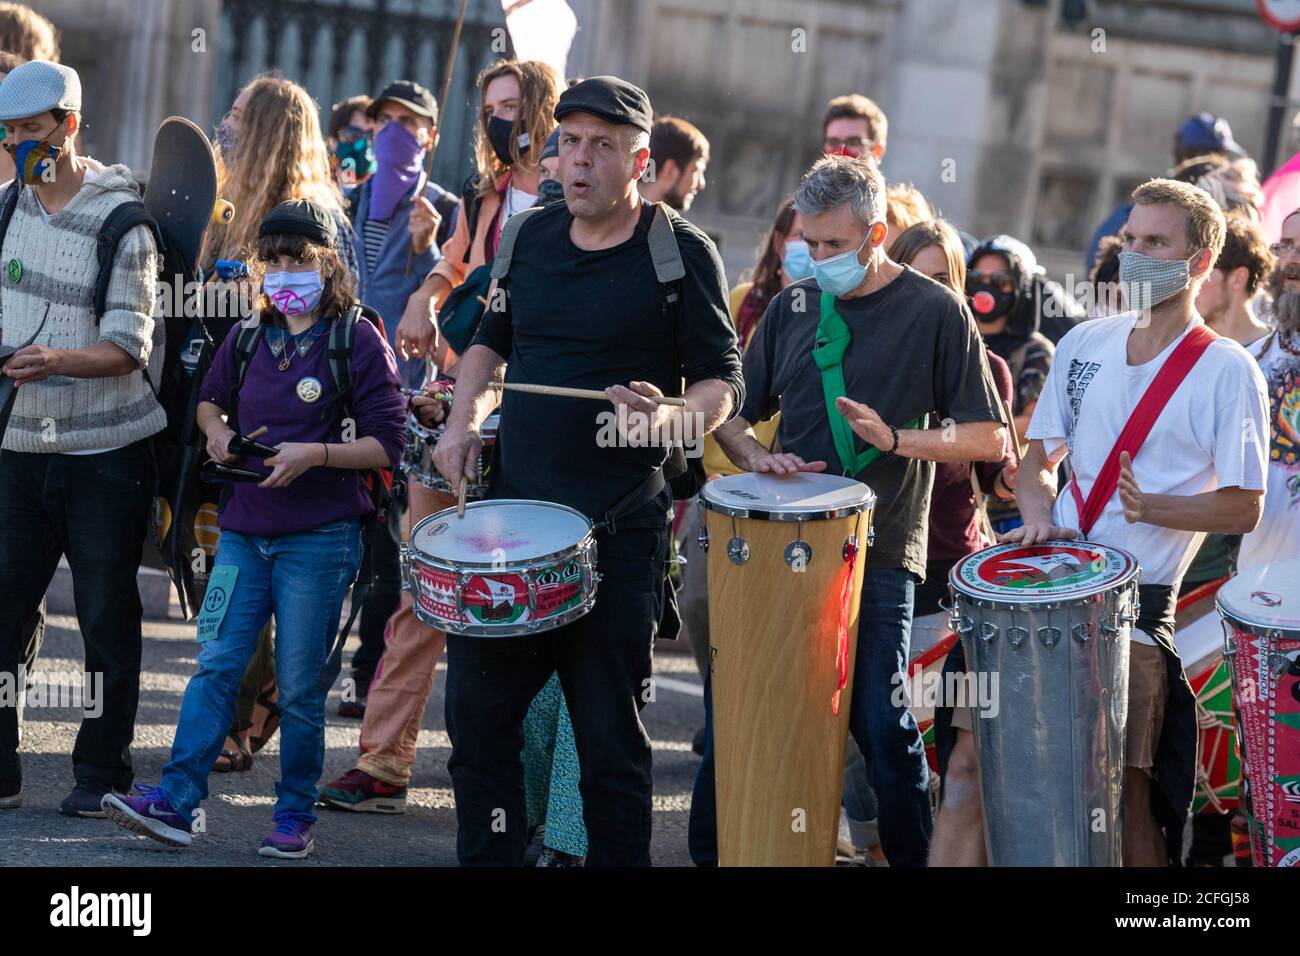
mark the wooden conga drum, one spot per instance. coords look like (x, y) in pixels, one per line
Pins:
(785, 560)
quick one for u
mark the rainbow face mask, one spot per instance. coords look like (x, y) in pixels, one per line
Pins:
(33, 157)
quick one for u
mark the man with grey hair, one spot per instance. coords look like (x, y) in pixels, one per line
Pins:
(579, 301)
(1278, 535)
(854, 391)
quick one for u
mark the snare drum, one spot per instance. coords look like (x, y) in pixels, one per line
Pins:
(1261, 624)
(508, 568)
(417, 461)
(1045, 629)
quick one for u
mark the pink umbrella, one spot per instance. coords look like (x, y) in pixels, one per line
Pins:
(1281, 198)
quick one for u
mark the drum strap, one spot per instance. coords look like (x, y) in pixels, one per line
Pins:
(833, 338)
(1176, 368)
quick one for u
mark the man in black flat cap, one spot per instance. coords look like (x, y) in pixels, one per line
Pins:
(580, 303)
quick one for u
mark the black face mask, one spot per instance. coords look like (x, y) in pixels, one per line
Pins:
(549, 191)
(499, 136)
(988, 302)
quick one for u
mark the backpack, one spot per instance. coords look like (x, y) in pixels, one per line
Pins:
(379, 481)
(173, 389)
(685, 476)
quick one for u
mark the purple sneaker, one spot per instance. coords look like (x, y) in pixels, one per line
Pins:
(151, 814)
(291, 837)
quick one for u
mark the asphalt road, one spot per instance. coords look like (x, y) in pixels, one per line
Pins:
(239, 805)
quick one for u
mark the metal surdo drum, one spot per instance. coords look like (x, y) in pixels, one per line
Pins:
(1045, 630)
(508, 568)
(1261, 624)
(417, 461)
(785, 560)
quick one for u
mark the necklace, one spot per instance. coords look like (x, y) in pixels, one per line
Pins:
(302, 344)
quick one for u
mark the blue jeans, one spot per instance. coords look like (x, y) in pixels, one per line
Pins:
(887, 735)
(302, 579)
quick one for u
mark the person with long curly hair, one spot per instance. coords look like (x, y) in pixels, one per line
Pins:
(516, 114)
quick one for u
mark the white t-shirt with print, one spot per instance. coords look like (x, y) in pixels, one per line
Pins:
(1212, 434)
(1278, 536)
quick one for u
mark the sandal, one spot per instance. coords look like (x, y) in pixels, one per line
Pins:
(266, 716)
(236, 758)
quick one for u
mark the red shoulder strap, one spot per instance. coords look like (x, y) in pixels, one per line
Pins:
(1180, 362)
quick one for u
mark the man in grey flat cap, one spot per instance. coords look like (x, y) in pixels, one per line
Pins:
(76, 469)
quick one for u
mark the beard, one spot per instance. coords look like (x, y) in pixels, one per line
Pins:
(1286, 305)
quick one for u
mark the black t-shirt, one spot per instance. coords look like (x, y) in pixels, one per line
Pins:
(915, 349)
(590, 320)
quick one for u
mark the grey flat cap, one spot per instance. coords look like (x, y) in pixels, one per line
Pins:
(37, 87)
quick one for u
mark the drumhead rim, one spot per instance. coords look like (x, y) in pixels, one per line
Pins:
(962, 590)
(588, 539)
(866, 502)
(1244, 618)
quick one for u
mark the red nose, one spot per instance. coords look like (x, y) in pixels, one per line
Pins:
(983, 302)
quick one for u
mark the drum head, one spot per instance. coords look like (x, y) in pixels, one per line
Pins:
(414, 427)
(1264, 598)
(1051, 572)
(806, 496)
(500, 532)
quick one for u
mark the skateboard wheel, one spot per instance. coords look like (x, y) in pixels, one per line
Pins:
(223, 211)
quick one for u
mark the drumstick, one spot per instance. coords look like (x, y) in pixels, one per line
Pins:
(258, 433)
(577, 392)
(460, 504)
(1010, 423)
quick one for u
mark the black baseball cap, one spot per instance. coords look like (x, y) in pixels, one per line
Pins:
(299, 217)
(610, 98)
(411, 95)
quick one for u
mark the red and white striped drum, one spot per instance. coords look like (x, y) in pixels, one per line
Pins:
(1261, 624)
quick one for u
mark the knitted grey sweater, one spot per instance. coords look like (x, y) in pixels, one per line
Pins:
(56, 271)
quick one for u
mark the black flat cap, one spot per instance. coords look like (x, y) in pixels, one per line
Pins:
(298, 217)
(610, 98)
(411, 95)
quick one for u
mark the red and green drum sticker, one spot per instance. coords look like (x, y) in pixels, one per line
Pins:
(499, 599)
(1047, 571)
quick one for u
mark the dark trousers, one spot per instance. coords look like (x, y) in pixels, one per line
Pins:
(886, 734)
(382, 567)
(94, 509)
(604, 663)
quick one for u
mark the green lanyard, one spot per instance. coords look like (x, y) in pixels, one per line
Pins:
(833, 338)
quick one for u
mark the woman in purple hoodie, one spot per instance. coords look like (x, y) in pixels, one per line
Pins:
(291, 543)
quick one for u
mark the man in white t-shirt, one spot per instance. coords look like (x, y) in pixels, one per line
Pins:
(1278, 536)
(1200, 470)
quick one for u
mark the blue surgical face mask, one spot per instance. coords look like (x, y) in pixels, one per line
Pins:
(796, 262)
(840, 275)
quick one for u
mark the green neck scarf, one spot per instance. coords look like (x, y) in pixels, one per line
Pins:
(833, 338)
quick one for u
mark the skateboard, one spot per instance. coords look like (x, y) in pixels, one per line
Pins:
(181, 195)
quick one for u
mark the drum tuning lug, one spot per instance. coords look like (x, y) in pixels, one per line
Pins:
(850, 550)
(871, 537)
(404, 556)
(702, 539)
(1049, 636)
(798, 555)
(1081, 632)
(738, 550)
(1016, 636)
(962, 624)
(988, 632)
